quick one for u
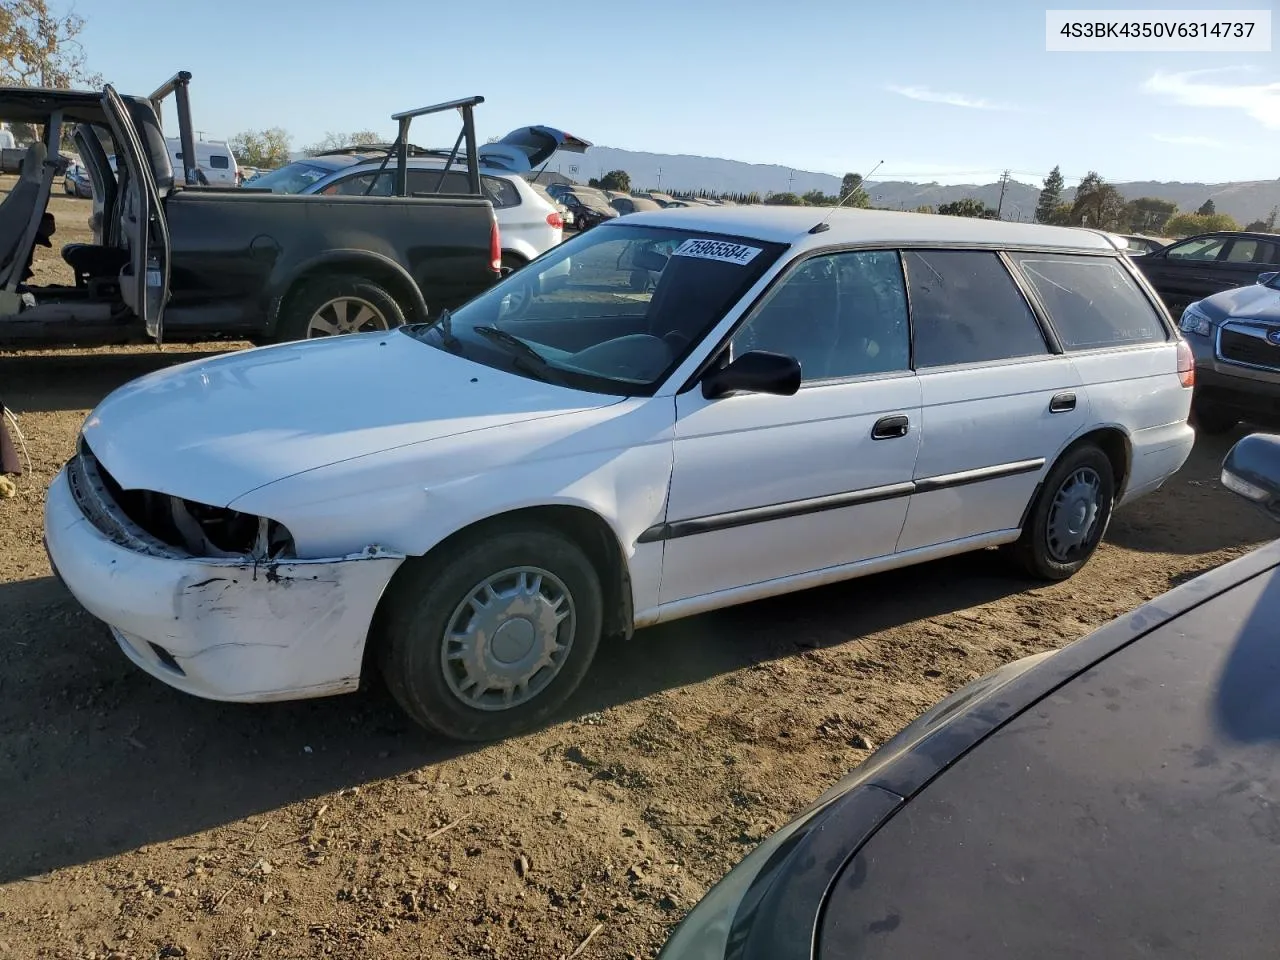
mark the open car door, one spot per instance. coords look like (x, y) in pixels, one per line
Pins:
(144, 280)
(527, 148)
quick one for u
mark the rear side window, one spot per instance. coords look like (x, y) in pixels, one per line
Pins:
(438, 181)
(1092, 301)
(501, 193)
(1253, 251)
(218, 162)
(965, 308)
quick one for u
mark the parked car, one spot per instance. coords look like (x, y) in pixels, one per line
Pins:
(1139, 245)
(76, 182)
(589, 207)
(566, 215)
(1198, 267)
(625, 205)
(202, 261)
(561, 473)
(1235, 336)
(1069, 804)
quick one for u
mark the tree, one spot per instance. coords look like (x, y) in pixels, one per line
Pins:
(336, 141)
(1050, 196)
(1098, 204)
(784, 200)
(1256, 226)
(924, 208)
(1061, 215)
(41, 49)
(1149, 214)
(851, 192)
(618, 180)
(816, 198)
(1207, 209)
(1265, 226)
(261, 148)
(1190, 224)
(968, 207)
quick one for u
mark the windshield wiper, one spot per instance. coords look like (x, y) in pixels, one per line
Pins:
(524, 355)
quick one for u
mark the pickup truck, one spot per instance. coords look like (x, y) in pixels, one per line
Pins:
(185, 261)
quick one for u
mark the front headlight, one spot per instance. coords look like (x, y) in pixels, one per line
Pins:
(1195, 321)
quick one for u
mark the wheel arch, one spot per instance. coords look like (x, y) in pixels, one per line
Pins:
(366, 264)
(1113, 440)
(590, 531)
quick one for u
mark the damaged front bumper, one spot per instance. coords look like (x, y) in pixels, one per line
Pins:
(221, 628)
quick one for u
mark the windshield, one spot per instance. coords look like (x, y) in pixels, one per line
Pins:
(293, 178)
(613, 310)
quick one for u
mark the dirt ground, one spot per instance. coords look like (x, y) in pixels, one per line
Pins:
(136, 822)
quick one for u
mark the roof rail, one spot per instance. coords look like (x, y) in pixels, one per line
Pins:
(438, 108)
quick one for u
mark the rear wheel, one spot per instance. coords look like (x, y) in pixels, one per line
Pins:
(490, 640)
(1212, 420)
(1070, 515)
(336, 305)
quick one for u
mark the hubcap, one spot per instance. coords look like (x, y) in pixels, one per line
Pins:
(508, 639)
(345, 315)
(1073, 518)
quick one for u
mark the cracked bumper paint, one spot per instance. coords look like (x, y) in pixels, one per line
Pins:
(226, 629)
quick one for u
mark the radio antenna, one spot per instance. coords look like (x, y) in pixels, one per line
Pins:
(825, 224)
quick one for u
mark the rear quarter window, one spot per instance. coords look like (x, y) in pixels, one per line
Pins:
(500, 192)
(218, 162)
(966, 308)
(1092, 302)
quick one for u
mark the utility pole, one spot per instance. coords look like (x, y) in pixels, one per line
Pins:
(790, 180)
(1004, 182)
(659, 179)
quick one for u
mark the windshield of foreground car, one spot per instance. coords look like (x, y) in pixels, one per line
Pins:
(292, 178)
(613, 310)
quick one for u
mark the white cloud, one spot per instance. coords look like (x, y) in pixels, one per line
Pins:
(1188, 141)
(950, 99)
(1190, 88)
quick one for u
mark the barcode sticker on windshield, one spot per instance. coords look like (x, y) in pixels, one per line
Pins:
(717, 250)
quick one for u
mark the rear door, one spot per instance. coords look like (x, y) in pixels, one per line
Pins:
(144, 281)
(997, 403)
(1189, 270)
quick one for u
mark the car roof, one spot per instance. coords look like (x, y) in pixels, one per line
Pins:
(793, 225)
(1094, 816)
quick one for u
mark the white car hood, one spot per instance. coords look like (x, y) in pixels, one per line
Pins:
(213, 430)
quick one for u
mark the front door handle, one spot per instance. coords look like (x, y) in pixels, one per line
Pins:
(887, 428)
(1062, 403)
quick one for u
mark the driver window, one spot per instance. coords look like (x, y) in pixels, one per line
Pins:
(840, 315)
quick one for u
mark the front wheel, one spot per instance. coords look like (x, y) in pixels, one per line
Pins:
(1070, 515)
(336, 305)
(489, 641)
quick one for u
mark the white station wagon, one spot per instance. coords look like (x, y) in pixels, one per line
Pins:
(668, 414)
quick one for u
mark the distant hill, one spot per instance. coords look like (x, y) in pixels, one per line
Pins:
(1245, 201)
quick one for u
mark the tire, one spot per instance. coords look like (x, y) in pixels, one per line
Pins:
(1045, 550)
(1212, 420)
(514, 261)
(328, 300)
(431, 599)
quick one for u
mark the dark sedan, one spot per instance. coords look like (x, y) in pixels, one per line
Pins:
(1116, 798)
(1198, 267)
(589, 208)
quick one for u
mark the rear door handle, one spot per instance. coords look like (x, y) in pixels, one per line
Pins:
(1062, 403)
(887, 428)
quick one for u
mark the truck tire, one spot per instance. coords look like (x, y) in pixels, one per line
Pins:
(488, 639)
(335, 305)
(1070, 515)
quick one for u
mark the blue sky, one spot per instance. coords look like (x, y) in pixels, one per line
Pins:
(949, 91)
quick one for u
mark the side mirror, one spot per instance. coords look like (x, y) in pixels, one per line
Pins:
(1252, 470)
(1268, 278)
(755, 372)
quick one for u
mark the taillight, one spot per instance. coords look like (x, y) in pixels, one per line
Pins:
(495, 248)
(1186, 364)
(555, 221)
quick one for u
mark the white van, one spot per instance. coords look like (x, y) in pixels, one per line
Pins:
(213, 158)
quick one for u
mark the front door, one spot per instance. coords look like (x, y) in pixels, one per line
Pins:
(997, 405)
(1193, 269)
(144, 281)
(766, 488)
